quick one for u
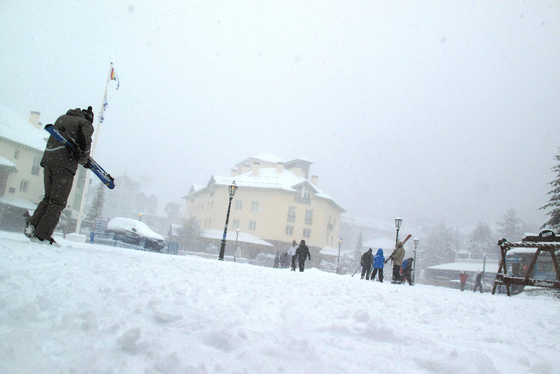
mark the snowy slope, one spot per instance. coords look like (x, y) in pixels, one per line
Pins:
(96, 309)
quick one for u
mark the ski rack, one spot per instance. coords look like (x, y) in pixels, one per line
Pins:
(542, 243)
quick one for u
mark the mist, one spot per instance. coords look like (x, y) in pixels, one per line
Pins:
(430, 111)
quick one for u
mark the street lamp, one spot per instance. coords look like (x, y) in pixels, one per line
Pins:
(415, 240)
(236, 247)
(398, 222)
(232, 189)
(338, 263)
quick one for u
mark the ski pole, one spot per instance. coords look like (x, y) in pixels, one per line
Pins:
(357, 270)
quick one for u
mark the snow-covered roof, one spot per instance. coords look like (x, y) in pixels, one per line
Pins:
(377, 243)
(5, 162)
(18, 202)
(16, 128)
(270, 178)
(368, 223)
(243, 237)
(468, 266)
(268, 157)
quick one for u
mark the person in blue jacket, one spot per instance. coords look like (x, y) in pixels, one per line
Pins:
(378, 262)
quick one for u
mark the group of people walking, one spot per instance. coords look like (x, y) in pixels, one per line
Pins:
(297, 252)
(372, 265)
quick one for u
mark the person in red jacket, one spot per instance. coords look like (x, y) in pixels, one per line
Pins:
(59, 168)
(464, 277)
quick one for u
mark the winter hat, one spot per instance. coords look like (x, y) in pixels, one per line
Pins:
(88, 113)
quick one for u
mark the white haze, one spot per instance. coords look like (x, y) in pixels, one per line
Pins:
(431, 111)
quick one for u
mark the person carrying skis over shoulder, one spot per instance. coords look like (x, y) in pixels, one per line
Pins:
(302, 253)
(397, 258)
(378, 262)
(59, 167)
(366, 261)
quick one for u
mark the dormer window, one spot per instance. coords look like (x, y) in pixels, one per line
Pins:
(303, 195)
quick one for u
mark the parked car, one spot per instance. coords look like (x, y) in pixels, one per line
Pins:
(134, 232)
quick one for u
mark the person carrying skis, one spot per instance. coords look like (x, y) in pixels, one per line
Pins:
(366, 262)
(59, 168)
(397, 258)
(378, 261)
(302, 253)
(292, 254)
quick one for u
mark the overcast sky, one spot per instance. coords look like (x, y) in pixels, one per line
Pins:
(431, 111)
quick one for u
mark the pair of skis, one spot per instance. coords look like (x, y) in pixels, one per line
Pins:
(105, 177)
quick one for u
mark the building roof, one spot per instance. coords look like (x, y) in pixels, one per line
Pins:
(231, 237)
(16, 128)
(468, 266)
(18, 202)
(270, 178)
(5, 162)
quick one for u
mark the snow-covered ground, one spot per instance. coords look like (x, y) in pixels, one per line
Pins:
(97, 309)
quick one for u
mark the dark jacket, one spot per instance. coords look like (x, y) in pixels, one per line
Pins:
(367, 259)
(378, 259)
(302, 252)
(73, 126)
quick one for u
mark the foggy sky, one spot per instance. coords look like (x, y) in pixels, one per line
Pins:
(431, 111)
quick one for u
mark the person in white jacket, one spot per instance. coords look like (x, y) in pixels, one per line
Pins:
(292, 252)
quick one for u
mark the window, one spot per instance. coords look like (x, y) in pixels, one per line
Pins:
(289, 230)
(16, 154)
(36, 166)
(303, 195)
(235, 224)
(306, 233)
(254, 206)
(238, 204)
(12, 190)
(252, 225)
(24, 185)
(291, 214)
(308, 217)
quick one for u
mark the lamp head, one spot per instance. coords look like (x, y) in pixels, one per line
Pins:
(232, 188)
(398, 222)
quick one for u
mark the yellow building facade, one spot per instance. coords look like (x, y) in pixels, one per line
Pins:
(275, 201)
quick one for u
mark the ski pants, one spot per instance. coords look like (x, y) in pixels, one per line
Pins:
(301, 263)
(396, 274)
(58, 184)
(366, 271)
(380, 274)
(294, 258)
(479, 286)
(406, 275)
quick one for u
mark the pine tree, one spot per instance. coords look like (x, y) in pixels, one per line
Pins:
(554, 201)
(189, 233)
(512, 228)
(96, 209)
(482, 240)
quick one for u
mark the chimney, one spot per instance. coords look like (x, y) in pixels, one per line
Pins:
(314, 180)
(280, 167)
(34, 119)
(255, 167)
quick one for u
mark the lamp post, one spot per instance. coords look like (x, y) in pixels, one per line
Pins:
(338, 263)
(236, 247)
(232, 189)
(415, 240)
(398, 222)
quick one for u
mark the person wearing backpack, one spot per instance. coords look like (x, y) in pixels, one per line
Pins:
(366, 262)
(407, 270)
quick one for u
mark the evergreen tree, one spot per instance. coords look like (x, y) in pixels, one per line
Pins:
(512, 228)
(482, 239)
(554, 201)
(189, 233)
(440, 246)
(96, 209)
(360, 242)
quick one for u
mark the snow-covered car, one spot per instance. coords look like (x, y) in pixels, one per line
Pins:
(134, 232)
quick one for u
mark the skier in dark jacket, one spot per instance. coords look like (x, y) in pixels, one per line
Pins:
(302, 253)
(59, 168)
(407, 270)
(478, 282)
(378, 262)
(366, 261)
